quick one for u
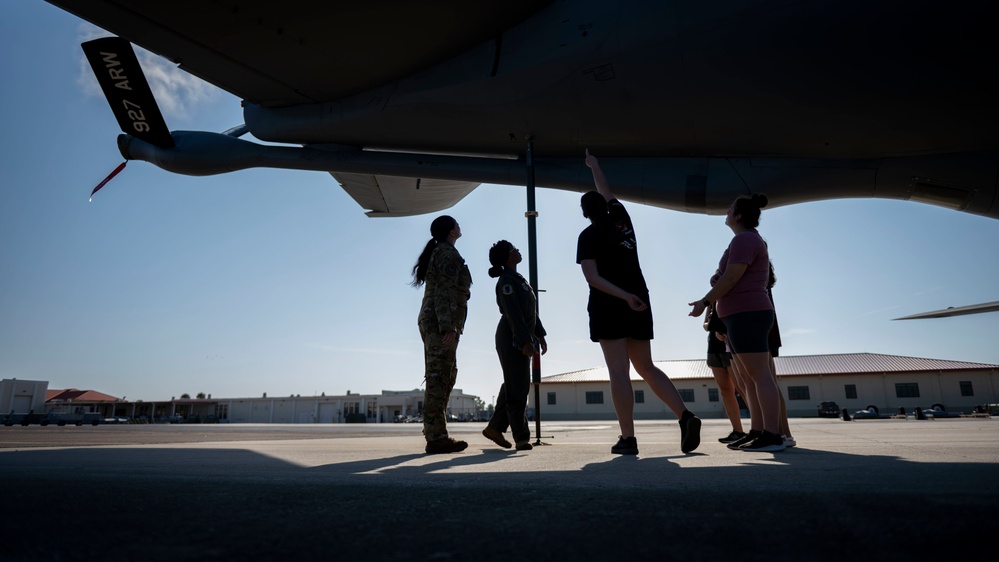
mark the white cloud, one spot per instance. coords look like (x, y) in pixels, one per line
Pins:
(177, 93)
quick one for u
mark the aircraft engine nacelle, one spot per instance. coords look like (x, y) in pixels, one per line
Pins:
(196, 153)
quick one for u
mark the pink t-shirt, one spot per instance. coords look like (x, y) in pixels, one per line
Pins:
(750, 292)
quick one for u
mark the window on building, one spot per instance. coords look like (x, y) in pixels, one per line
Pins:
(907, 390)
(687, 394)
(967, 389)
(595, 397)
(851, 390)
(551, 398)
(639, 397)
(712, 395)
(798, 393)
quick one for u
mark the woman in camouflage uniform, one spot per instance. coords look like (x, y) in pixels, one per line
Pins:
(442, 271)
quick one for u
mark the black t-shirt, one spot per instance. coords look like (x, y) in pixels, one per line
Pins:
(612, 244)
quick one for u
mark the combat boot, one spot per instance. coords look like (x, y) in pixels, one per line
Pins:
(495, 436)
(445, 445)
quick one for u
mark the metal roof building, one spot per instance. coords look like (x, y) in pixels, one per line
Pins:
(853, 380)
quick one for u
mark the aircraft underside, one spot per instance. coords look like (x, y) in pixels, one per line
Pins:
(688, 105)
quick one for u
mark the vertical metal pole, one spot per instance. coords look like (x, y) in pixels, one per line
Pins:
(532, 263)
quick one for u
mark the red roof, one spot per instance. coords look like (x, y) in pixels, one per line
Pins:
(75, 395)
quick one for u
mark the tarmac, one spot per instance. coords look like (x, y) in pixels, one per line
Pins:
(870, 489)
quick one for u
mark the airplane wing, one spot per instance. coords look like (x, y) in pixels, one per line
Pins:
(688, 106)
(390, 196)
(955, 311)
(284, 53)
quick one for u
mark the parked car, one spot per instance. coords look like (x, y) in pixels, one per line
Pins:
(870, 413)
(828, 410)
(938, 411)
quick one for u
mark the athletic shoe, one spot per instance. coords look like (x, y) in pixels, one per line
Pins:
(495, 436)
(748, 438)
(690, 433)
(445, 445)
(789, 441)
(625, 446)
(766, 443)
(732, 437)
(524, 446)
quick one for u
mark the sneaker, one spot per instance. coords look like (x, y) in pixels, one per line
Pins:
(625, 446)
(690, 433)
(732, 437)
(495, 436)
(445, 445)
(767, 443)
(524, 446)
(748, 438)
(789, 441)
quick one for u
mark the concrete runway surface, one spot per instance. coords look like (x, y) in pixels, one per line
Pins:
(867, 490)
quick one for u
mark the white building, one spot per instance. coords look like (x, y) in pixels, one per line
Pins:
(22, 396)
(853, 380)
(365, 408)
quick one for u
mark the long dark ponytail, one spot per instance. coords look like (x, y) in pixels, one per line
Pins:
(439, 230)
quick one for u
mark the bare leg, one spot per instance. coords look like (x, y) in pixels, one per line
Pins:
(726, 387)
(756, 368)
(748, 391)
(640, 353)
(785, 428)
(622, 393)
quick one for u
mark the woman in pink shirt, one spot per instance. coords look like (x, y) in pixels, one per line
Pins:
(739, 293)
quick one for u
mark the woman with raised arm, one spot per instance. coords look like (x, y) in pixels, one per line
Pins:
(620, 317)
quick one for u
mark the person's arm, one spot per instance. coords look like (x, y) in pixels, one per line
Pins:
(603, 285)
(599, 180)
(732, 274)
(540, 333)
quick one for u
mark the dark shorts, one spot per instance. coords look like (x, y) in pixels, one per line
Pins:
(719, 360)
(749, 332)
(613, 319)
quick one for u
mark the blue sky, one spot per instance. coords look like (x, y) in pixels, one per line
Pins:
(274, 281)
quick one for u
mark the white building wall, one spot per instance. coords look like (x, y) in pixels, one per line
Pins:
(330, 409)
(872, 388)
(284, 410)
(22, 396)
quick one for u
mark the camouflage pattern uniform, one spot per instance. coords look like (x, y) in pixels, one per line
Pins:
(445, 306)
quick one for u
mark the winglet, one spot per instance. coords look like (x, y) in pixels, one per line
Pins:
(125, 87)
